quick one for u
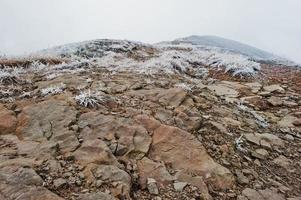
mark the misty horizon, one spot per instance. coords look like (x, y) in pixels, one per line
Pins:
(29, 26)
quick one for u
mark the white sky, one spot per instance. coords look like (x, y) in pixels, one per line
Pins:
(29, 25)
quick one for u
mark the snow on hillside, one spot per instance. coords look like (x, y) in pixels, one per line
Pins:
(122, 55)
(235, 47)
(231, 45)
(90, 49)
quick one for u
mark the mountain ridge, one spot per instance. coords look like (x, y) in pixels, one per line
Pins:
(229, 44)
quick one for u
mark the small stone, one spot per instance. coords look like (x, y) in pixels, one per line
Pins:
(152, 186)
(74, 128)
(275, 101)
(289, 137)
(290, 104)
(69, 157)
(98, 183)
(81, 175)
(258, 186)
(297, 122)
(225, 162)
(242, 179)
(67, 174)
(255, 139)
(271, 195)
(78, 183)
(241, 197)
(273, 88)
(60, 183)
(265, 144)
(257, 162)
(260, 153)
(231, 195)
(252, 194)
(179, 186)
(294, 198)
(282, 161)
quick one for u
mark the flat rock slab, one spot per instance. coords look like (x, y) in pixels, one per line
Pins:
(223, 90)
(48, 121)
(8, 121)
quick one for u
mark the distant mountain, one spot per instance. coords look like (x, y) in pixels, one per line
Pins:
(230, 45)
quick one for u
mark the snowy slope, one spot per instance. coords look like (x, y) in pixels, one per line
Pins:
(230, 45)
(123, 55)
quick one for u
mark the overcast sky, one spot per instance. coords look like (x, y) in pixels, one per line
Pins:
(29, 25)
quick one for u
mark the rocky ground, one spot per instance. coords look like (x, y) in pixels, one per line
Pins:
(102, 135)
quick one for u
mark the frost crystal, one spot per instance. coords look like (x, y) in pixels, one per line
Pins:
(53, 90)
(261, 121)
(88, 99)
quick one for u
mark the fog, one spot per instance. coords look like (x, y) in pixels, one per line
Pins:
(30, 25)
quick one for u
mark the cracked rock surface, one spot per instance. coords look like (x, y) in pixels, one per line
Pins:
(150, 137)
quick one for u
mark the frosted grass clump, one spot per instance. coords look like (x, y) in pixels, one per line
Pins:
(5, 93)
(89, 99)
(261, 121)
(184, 86)
(116, 56)
(37, 66)
(237, 65)
(52, 90)
(10, 75)
(239, 144)
(180, 61)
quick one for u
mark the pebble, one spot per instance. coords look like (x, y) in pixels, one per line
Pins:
(241, 179)
(152, 186)
(59, 183)
(260, 153)
(289, 137)
(179, 186)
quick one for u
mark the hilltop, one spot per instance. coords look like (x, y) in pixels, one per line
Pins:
(116, 119)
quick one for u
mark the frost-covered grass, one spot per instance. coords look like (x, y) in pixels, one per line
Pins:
(182, 61)
(89, 99)
(10, 75)
(52, 90)
(237, 65)
(184, 86)
(5, 93)
(239, 144)
(261, 121)
(121, 56)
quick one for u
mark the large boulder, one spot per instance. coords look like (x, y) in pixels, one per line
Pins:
(184, 152)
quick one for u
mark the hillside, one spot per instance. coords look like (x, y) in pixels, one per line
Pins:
(116, 119)
(235, 47)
